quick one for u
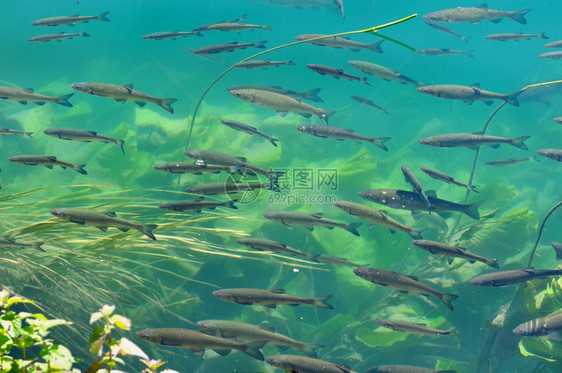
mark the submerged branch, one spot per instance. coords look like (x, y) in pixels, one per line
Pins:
(550, 212)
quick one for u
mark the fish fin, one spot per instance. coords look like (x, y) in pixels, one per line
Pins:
(380, 142)
(81, 222)
(519, 142)
(309, 349)
(147, 230)
(283, 348)
(375, 47)
(120, 144)
(166, 104)
(80, 169)
(472, 209)
(222, 352)
(512, 98)
(321, 302)
(416, 215)
(123, 229)
(272, 141)
(415, 278)
(444, 214)
(23, 102)
(288, 226)
(253, 349)
(415, 233)
(431, 193)
(230, 204)
(29, 90)
(120, 101)
(51, 167)
(37, 246)
(102, 17)
(471, 261)
(270, 305)
(197, 351)
(110, 213)
(402, 291)
(306, 115)
(450, 260)
(40, 103)
(519, 16)
(267, 328)
(352, 228)
(488, 102)
(140, 103)
(468, 102)
(447, 299)
(497, 20)
(493, 263)
(310, 229)
(312, 95)
(282, 113)
(128, 86)
(278, 291)
(241, 159)
(313, 257)
(103, 229)
(392, 231)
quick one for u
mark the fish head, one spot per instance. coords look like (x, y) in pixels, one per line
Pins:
(431, 141)
(194, 154)
(224, 294)
(429, 90)
(379, 196)
(278, 361)
(49, 131)
(344, 205)
(436, 16)
(270, 215)
(362, 272)
(303, 128)
(383, 323)
(243, 94)
(149, 335)
(82, 87)
(61, 213)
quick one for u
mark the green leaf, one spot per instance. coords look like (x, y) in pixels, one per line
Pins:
(541, 347)
(17, 299)
(129, 348)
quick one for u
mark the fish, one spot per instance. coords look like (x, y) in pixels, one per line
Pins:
(557, 246)
(468, 94)
(339, 4)
(282, 104)
(382, 72)
(439, 248)
(102, 220)
(314, 4)
(513, 276)
(442, 52)
(226, 47)
(378, 217)
(540, 326)
(551, 55)
(198, 342)
(515, 36)
(268, 298)
(340, 42)
(8, 131)
(122, 93)
(239, 164)
(335, 73)
(262, 64)
(69, 20)
(197, 205)
(446, 30)
(234, 26)
(165, 35)
(309, 221)
(25, 95)
(554, 44)
(401, 199)
(7, 242)
(402, 283)
(239, 126)
(274, 246)
(303, 364)
(365, 101)
(329, 259)
(411, 179)
(191, 168)
(57, 37)
(476, 15)
(412, 327)
(558, 120)
(311, 95)
(227, 187)
(342, 134)
(83, 136)
(473, 140)
(250, 333)
(47, 161)
(512, 161)
(205, 27)
(438, 175)
(554, 154)
(405, 369)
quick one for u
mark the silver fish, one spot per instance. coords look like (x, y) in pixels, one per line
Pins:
(69, 20)
(551, 55)
(513, 276)
(196, 205)
(342, 134)
(13, 244)
(83, 136)
(25, 95)
(554, 154)
(512, 161)
(165, 35)
(268, 298)
(446, 30)
(411, 327)
(476, 15)
(303, 364)
(242, 127)
(411, 179)
(311, 95)
(227, 47)
(438, 175)
(335, 73)
(557, 246)
(234, 26)
(57, 37)
(405, 369)
(274, 246)
(472, 140)
(515, 36)
(47, 161)
(468, 94)
(341, 42)
(191, 168)
(309, 221)
(227, 187)
(439, 248)
(263, 64)
(382, 72)
(365, 101)
(8, 131)
(554, 44)
(442, 52)
(205, 27)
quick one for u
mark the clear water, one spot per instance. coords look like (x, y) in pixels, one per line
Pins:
(174, 278)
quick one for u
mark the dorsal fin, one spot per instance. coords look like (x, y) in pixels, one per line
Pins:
(28, 90)
(475, 85)
(431, 193)
(278, 291)
(128, 86)
(412, 277)
(110, 213)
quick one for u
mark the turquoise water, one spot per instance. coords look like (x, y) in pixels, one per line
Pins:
(168, 283)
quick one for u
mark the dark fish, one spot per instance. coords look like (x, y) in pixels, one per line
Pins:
(336, 260)
(8, 131)
(473, 140)
(234, 26)
(239, 126)
(365, 101)
(402, 283)
(554, 44)
(411, 179)
(476, 15)
(551, 55)
(557, 246)
(439, 248)
(83, 136)
(302, 364)
(438, 175)
(442, 52)
(335, 73)
(191, 168)
(401, 199)
(274, 246)
(198, 342)
(468, 94)
(311, 95)
(541, 326)
(554, 154)
(46, 161)
(515, 36)
(227, 47)
(412, 327)
(165, 35)
(226, 187)
(513, 276)
(309, 221)
(341, 42)
(102, 220)
(196, 205)
(250, 333)
(512, 161)
(263, 64)
(6, 242)
(69, 20)
(122, 93)
(268, 298)
(57, 37)
(23, 96)
(446, 30)
(382, 72)
(342, 134)
(378, 217)
(405, 369)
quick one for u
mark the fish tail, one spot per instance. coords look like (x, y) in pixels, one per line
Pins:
(512, 98)
(120, 144)
(253, 349)
(518, 142)
(37, 246)
(472, 188)
(313, 257)
(85, 34)
(260, 44)
(465, 38)
(543, 36)
(312, 95)
(147, 230)
(493, 263)
(80, 168)
(379, 141)
(415, 233)
(321, 302)
(472, 209)
(352, 228)
(375, 47)
(230, 204)
(309, 349)
(63, 100)
(102, 17)
(519, 16)
(272, 141)
(28, 134)
(364, 80)
(166, 103)
(447, 299)
(326, 114)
